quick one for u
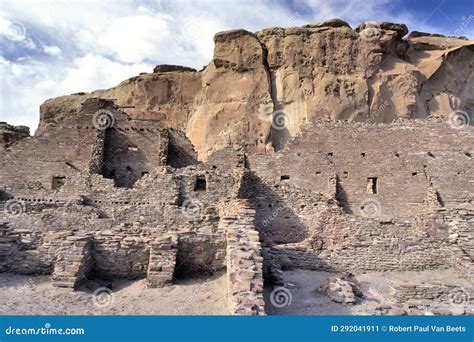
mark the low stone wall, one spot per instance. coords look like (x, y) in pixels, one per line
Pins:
(8, 246)
(460, 224)
(74, 262)
(162, 261)
(244, 260)
(444, 299)
(404, 292)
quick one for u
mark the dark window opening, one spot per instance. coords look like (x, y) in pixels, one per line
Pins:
(372, 185)
(284, 177)
(467, 154)
(362, 154)
(318, 172)
(431, 154)
(397, 154)
(145, 173)
(58, 181)
(414, 173)
(200, 184)
(330, 154)
(129, 169)
(345, 174)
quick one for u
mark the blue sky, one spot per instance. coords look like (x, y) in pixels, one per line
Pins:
(52, 48)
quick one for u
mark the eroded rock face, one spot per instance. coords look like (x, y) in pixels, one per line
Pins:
(10, 134)
(235, 89)
(374, 73)
(166, 95)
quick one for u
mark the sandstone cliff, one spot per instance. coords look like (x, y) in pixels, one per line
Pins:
(261, 88)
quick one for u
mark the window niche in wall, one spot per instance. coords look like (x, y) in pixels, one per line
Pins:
(57, 182)
(200, 183)
(372, 185)
(285, 178)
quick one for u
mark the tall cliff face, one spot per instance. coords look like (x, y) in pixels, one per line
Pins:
(261, 88)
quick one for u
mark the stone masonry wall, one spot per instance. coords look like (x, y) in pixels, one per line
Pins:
(405, 158)
(73, 262)
(244, 260)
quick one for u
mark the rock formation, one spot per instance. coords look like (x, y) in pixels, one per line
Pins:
(10, 134)
(373, 73)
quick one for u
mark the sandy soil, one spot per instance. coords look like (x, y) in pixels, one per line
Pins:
(24, 295)
(306, 290)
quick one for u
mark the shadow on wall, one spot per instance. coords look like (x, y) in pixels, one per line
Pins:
(342, 198)
(123, 161)
(279, 137)
(181, 151)
(274, 219)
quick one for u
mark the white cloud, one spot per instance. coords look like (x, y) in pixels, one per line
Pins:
(97, 44)
(25, 85)
(52, 50)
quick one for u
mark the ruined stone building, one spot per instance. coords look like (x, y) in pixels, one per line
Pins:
(320, 147)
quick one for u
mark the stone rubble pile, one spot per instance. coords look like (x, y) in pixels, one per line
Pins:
(340, 291)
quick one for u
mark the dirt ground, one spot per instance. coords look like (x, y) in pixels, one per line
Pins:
(308, 297)
(35, 295)
(25, 295)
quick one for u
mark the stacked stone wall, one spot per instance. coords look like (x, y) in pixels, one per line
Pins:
(244, 260)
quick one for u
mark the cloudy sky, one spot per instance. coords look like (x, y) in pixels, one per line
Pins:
(52, 47)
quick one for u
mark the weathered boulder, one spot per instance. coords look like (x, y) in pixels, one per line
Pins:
(10, 134)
